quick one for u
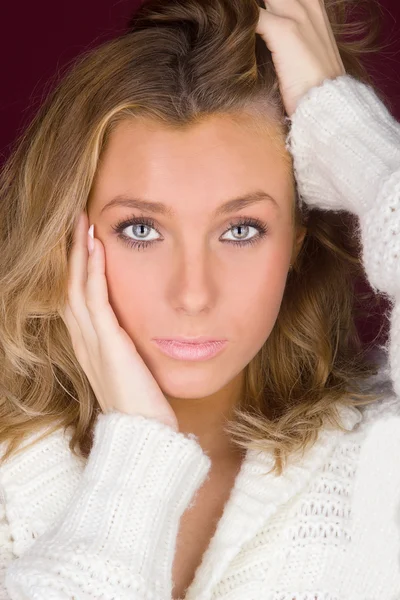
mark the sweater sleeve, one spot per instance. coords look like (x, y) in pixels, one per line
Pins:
(345, 146)
(116, 538)
(6, 553)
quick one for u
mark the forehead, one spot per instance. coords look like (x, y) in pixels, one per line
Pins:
(224, 135)
(216, 158)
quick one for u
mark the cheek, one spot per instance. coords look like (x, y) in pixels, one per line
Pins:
(255, 306)
(132, 289)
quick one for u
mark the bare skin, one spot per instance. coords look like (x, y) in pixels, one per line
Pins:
(198, 524)
(190, 281)
(193, 284)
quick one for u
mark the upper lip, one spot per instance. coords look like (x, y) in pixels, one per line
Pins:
(191, 340)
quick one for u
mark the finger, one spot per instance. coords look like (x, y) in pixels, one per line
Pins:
(328, 28)
(312, 10)
(101, 313)
(318, 17)
(268, 21)
(65, 311)
(289, 9)
(77, 264)
(77, 277)
(303, 13)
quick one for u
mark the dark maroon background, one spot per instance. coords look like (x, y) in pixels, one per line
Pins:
(38, 39)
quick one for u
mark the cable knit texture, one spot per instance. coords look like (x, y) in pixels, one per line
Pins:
(328, 528)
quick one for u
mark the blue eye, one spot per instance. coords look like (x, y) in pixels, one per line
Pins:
(140, 223)
(243, 224)
(144, 224)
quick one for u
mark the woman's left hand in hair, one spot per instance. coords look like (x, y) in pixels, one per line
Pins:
(304, 51)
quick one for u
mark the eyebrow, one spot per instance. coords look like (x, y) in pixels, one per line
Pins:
(228, 207)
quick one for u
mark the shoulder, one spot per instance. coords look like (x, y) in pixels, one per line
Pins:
(377, 438)
(368, 462)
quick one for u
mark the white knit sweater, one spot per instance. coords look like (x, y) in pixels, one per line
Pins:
(327, 529)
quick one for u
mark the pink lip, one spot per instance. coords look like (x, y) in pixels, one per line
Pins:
(190, 348)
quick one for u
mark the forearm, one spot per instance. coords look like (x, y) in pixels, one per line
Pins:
(117, 536)
(345, 145)
(346, 156)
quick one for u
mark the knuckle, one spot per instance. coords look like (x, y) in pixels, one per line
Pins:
(92, 304)
(292, 25)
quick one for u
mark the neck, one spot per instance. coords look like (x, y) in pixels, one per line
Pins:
(206, 418)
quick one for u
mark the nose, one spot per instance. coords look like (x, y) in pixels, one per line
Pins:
(193, 287)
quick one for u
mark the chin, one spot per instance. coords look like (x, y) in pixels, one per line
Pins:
(190, 382)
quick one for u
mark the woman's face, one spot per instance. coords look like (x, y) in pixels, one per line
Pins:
(198, 275)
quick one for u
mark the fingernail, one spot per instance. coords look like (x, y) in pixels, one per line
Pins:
(90, 239)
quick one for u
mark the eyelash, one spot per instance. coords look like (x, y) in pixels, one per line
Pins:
(252, 222)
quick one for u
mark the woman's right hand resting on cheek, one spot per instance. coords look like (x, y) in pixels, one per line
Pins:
(119, 377)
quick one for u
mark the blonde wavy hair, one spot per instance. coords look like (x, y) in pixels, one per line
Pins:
(178, 62)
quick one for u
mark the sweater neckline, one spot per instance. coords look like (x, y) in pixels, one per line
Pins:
(35, 483)
(255, 497)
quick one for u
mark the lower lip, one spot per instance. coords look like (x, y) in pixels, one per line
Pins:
(186, 351)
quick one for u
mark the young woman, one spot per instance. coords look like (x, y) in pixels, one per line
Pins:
(178, 412)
